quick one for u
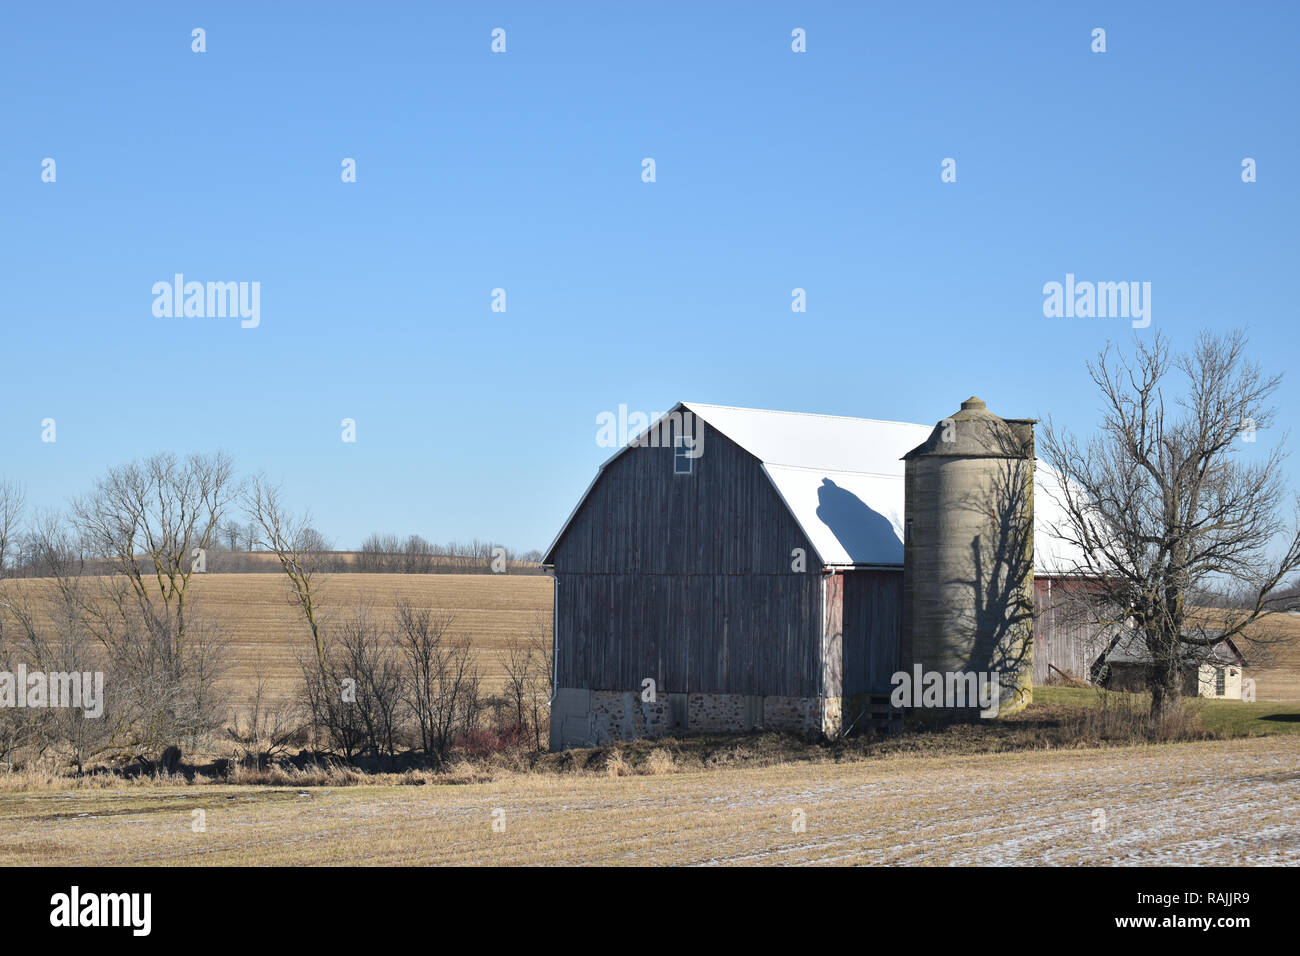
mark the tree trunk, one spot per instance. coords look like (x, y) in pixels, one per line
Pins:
(1165, 691)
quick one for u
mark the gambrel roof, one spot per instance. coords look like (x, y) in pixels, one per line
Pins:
(842, 480)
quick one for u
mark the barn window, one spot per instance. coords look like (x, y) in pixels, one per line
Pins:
(682, 460)
(1219, 683)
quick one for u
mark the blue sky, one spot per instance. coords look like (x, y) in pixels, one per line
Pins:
(522, 171)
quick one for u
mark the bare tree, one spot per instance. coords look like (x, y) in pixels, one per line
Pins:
(529, 673)
(12, 502)
(50, 634)
(300, 550)
(521, 667)
(418, 555)
(149, 521)
(1158, 506)
(232, 533)
(538, 691)
(440, 680)
(330, 703)
(385, 553)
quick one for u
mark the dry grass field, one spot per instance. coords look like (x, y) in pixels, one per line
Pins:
(266, 632)
(1277, 677)
(1223, 802)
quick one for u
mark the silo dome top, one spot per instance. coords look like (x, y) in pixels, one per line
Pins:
(973, 408)
(975, 432)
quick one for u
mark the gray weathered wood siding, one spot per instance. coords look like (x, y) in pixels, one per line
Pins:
(873, 630)
(1063, 640)
(687, 579)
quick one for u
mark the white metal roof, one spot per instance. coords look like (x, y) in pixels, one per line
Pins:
(850, 517)
(828, 442)
(1052, 554)
(842, 479)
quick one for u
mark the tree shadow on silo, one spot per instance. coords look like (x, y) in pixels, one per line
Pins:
(995, 631)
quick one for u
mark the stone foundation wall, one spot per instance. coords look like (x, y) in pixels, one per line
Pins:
(586, 718)
(719, 713)
(623, 715)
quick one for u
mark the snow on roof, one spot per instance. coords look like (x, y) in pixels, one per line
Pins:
(1052, 554)
(850, 517)
(828, 442)
(842, 479)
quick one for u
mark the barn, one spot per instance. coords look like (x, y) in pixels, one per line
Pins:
(736, 568)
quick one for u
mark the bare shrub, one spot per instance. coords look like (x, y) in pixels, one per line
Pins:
(367, 660)
(529, 670)
(264, 731)
(440, 682)
(1125, 718)
(481, 743)
(334, 723)
(659, 762)
(615, 765)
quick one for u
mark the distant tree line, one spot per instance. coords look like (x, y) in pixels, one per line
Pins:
(235, 548)
(416, 555)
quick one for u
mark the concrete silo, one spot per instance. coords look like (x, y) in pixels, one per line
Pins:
(968, 582)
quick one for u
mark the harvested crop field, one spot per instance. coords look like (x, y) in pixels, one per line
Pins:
(1277, 670)
(1223, 802)
(266, 634)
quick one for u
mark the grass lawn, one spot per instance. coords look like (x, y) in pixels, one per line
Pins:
(1229, 718)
